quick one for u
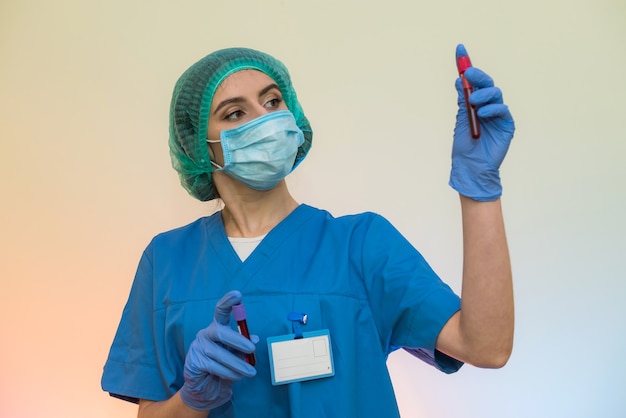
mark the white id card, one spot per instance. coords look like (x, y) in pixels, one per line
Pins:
(306, 358)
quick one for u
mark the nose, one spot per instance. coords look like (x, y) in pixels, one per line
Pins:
(259, 110)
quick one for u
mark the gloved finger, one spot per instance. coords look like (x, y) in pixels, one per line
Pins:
(485, 96)
(224, 306)
(225, 365)
(229, 337)
(458, 85)
(460, 51)
(255, 340)
(478, 78)
(206, 351)
(498, 110)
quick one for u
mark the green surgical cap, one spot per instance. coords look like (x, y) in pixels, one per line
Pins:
(191, 103)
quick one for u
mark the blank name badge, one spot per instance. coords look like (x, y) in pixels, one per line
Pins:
(296, 360)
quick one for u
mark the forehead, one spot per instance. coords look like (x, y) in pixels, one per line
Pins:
(242, 83)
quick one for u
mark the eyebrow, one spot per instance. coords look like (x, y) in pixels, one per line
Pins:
(240, 99)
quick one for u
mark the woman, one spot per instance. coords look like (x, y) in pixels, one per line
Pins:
(236, 131)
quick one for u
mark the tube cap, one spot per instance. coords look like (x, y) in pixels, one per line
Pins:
(239, 311)
(463, 63)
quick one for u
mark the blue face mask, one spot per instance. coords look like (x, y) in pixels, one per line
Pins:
(261, 153)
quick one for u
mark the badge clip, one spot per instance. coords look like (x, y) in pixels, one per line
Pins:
(297, 319)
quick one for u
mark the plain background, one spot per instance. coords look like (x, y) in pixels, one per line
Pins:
(86, 178)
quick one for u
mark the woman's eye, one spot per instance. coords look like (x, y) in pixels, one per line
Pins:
(274, 103)
(234, 115)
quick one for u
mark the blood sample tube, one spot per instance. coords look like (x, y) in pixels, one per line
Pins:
(239, 311)
(463, 63)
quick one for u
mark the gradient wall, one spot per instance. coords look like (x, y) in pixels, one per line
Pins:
(86, 178)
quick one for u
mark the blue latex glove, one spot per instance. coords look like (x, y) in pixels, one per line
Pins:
(215, 359)
(476, 162)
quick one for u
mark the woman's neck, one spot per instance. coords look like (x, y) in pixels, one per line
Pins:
(250, 213)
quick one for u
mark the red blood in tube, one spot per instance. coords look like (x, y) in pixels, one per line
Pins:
(463, 63)
(239, 312)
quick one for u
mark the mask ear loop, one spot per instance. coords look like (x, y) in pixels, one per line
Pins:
(212, 154)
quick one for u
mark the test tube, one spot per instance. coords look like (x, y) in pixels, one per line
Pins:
(463, 63)
(239, 311)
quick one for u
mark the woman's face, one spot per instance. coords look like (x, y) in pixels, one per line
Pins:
(242, 97)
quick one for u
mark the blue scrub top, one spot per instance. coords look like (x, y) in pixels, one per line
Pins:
(356, 276)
